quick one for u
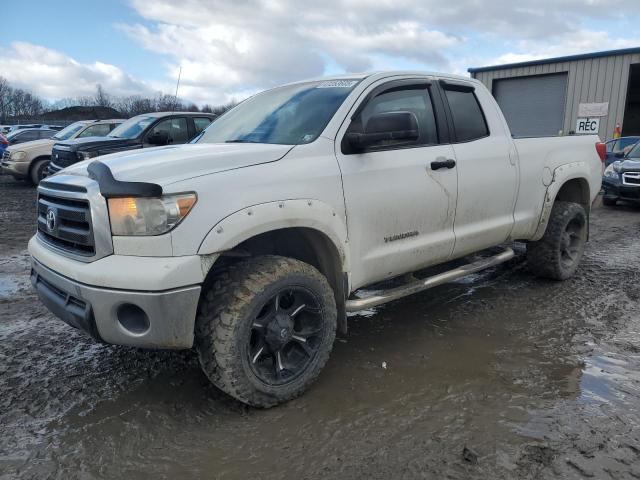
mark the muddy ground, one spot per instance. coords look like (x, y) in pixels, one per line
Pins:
(497, 376)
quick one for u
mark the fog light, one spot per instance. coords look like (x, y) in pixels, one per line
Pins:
(133, 319)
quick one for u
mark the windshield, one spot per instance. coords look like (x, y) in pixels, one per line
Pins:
(132, 127)
(14, 133)
(634, 152)
(69, 131)
(288, 115)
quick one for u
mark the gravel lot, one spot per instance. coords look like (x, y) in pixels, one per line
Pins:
(497, 376)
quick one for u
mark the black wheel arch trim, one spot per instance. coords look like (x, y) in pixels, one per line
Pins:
(110, 187)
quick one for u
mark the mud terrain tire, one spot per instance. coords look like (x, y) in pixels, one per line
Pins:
(228, 322)
(557, 254)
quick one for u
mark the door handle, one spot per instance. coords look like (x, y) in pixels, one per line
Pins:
(438, 164)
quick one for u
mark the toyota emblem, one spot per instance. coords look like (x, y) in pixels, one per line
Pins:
(51, 220)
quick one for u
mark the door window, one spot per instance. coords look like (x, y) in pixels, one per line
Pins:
(410, 99)
(201, 123)
(27, 136)
(99, 130)
(174, 128)
(468, 119)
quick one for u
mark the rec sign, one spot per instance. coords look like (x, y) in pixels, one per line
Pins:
(588, 125)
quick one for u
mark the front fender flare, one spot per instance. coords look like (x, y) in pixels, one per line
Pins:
(265, 217)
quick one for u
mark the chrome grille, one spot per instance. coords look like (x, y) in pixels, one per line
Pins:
(631, 178)
(65, 223)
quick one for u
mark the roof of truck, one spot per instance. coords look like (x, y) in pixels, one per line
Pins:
(384, 74)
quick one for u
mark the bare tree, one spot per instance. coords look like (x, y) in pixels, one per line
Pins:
(101, 99)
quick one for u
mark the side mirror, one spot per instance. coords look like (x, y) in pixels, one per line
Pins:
(619, 154)
(399, 127)
(158, 138)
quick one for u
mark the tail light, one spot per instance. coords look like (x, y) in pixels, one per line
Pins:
(601, 148)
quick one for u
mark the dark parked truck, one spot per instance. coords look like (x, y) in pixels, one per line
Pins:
(146, 130)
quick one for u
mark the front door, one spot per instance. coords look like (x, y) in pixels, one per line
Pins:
(400, 211)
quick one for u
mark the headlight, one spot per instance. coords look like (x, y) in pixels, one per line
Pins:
(86, 155)
(17, 156)
(612, 170)
(148, 216)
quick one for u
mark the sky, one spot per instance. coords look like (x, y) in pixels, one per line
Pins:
(229, 50)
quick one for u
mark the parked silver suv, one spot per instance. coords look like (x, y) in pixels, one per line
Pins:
(30, 160)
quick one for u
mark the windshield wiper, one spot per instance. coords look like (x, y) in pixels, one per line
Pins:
(240, 140)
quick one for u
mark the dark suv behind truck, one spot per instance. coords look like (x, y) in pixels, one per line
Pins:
(146, 130)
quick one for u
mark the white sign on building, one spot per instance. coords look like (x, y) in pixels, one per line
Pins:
(593, 109)
(589, 125)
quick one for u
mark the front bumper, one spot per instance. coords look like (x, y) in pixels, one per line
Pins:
(615, 189)
(114, 316)
(13, 168)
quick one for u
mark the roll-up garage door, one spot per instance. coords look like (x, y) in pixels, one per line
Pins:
(533, 106)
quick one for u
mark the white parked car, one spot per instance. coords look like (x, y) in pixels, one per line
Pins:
(250, 243)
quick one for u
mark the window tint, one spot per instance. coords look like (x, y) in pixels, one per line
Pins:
(612, 146)
(414, 100)
(26, 136)
(175, 128)
(201, 123)
(47, 133)
(99, 130)
(468, 119)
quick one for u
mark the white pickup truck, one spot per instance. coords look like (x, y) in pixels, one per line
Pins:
(250, 243)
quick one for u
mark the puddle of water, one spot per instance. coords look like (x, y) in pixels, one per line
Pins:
(9, 286)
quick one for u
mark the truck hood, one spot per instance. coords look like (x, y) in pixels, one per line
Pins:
(32, 145)
(167, 165)
(96, 143)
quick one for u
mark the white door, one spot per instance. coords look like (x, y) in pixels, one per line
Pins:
(487, 173)
(400, 211)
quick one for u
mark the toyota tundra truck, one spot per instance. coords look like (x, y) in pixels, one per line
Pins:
(252, 243)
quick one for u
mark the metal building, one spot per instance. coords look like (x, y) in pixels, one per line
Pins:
(588, 93)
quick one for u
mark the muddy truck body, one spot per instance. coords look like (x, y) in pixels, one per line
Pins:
(250, 244)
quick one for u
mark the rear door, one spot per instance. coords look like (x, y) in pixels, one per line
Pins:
(486, 164)
(400, 211)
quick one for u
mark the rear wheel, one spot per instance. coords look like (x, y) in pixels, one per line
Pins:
(265, 329)
(558, 253)
(37, 171)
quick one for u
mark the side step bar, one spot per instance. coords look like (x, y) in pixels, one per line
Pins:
(358, 304)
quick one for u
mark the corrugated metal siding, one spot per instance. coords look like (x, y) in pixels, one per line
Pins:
(593, 80)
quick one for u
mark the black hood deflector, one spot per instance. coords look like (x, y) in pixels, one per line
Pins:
(112, 188)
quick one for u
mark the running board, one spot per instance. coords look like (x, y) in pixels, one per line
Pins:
(418, 286)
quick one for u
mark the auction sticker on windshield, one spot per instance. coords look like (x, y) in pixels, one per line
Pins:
(337, 83)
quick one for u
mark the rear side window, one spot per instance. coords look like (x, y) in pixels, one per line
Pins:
(468, 119)
(47, 133)
(201, 123)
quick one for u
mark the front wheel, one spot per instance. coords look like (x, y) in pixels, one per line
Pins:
(558, 253)
(265, 329)
(38, 171)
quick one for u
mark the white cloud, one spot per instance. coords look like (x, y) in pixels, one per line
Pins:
(54, 75)
(229, 49)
